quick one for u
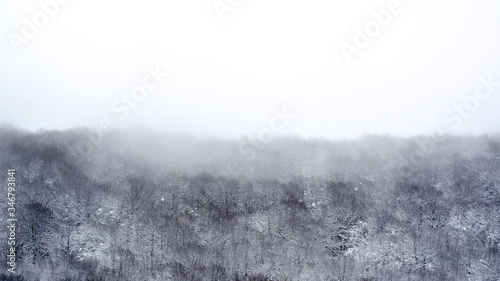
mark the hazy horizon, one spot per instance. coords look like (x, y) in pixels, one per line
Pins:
(252, 137)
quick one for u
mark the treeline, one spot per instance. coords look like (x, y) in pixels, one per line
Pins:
(140, 205)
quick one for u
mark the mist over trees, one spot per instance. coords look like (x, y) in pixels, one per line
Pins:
(149, 206)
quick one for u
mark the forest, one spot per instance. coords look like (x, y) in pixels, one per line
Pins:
(143, 205)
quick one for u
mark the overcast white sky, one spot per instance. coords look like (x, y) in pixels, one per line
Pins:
(228, 76)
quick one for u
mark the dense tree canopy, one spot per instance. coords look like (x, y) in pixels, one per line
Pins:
(139, 205)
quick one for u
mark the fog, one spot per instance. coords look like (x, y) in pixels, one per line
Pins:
(230, 72)
(250, 140)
